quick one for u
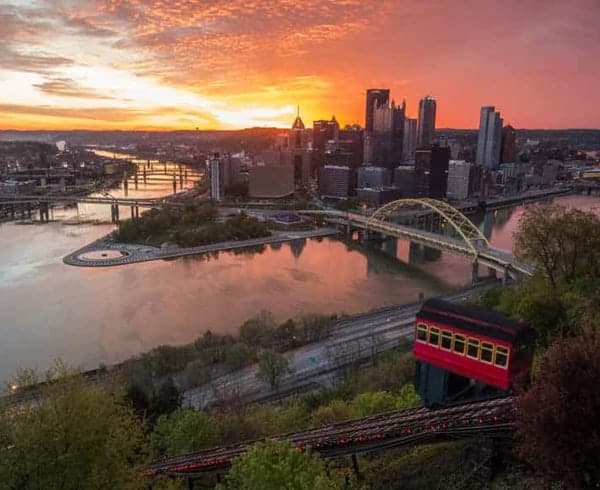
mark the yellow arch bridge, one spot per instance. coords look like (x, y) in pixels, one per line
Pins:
(468, 242)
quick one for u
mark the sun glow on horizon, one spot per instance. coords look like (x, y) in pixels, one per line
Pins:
(216, 64)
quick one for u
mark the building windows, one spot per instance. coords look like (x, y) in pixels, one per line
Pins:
(422, 332)
(473, 348)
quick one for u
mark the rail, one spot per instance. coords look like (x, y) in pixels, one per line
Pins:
(392, 429)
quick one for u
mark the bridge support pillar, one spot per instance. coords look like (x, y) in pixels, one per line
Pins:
(132, 213)
(505, 276)
(44, 212)
(135, 180)
(114, 213)
(475, 272)
(126, 186)
(492, 273)
(355, 467)
(137, 212)
(29, 210)
(174, 184)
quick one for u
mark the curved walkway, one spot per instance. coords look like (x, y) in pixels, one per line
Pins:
(106, 253)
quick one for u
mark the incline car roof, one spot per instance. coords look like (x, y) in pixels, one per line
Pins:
(472, 319)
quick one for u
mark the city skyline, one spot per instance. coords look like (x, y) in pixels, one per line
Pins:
(117, 64)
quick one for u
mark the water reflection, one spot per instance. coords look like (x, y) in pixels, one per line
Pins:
(88, 316)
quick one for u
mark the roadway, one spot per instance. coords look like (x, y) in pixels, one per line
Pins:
(352, 340)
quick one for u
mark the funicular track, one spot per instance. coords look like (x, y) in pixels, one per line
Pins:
(392, 429)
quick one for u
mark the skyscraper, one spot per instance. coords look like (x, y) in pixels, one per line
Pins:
(387, 136)
(297, 138)
(375, 98)
(410, 139)
(509, 145)
(215, 177)
(324, 131)
(489, 141)
(426, 124)
(431, 171)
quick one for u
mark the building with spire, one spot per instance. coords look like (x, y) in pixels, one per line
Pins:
(298, 138)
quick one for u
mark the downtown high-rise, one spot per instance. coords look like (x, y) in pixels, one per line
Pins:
(375, 97)
(426, 123)
(489, 141)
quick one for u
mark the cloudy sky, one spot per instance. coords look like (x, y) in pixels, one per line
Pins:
(136, 64)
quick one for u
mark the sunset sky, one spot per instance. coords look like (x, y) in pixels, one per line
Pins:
(141, 64)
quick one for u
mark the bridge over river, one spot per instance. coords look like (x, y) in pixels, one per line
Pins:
(468, 240)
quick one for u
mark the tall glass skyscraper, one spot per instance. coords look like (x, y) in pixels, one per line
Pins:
(489, 141)
(426, 124)
(375, 96)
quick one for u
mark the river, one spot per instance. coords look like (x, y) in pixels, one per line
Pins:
(88, 316)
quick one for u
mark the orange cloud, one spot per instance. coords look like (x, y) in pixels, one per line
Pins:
(251, 61)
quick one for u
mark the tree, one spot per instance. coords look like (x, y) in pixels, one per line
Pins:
(563, 244)
(271, 367)
(239, 355)
(74, 436)
(258, 331)
(277, 465)
(166, 400)
(181, 432)
(559, 416)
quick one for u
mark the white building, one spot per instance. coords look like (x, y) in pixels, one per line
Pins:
(459, 174)
(215, 178)
(489, 142)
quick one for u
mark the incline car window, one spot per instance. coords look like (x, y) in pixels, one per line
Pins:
(446, 340)
(422, 332)
(434, 336)
(459, 344)
(501, 356)
(487, 352)
(473, 348)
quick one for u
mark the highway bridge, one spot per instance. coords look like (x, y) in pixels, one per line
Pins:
(468, 240)
(410, 427)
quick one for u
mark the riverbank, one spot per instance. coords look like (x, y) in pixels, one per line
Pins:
(105, 252)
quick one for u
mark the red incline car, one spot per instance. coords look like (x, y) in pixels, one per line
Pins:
(478, 344)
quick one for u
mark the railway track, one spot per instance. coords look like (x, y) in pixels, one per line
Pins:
(379, 432)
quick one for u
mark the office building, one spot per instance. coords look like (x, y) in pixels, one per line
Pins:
(489, 141)
(377, 197)
(426, 123)
(324, 132)
(459, 180)
(297, 134)
(375, 98)
(409, 144)
(216, 176)
(508, 153)
(431, 171)
(351, 144)
(336, 181)
(404, 180)
(271, 182)
(374, 177)
(386, 139)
